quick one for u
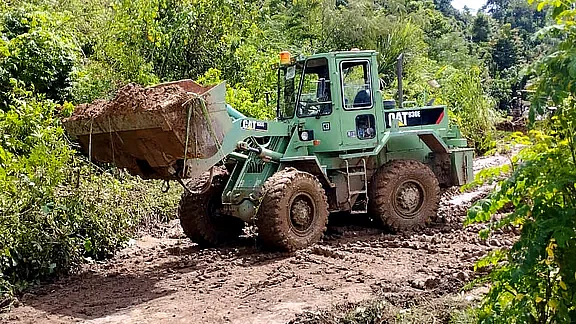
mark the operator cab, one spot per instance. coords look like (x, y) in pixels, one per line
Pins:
(332, 97)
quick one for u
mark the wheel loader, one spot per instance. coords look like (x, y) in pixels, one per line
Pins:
(335, 146)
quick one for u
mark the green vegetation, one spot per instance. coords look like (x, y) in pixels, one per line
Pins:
(58, 210)
(108, 43)
(535, 281)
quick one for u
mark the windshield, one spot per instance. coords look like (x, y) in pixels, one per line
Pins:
(288, 82)
(315, 98)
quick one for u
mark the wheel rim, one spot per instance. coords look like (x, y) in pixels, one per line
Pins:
(302, 213)
(409, 198)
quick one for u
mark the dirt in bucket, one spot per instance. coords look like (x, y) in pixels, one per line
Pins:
(133, 98)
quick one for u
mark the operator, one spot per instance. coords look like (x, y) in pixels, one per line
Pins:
(362, 98)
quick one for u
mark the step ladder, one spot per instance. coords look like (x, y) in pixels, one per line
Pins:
(364, 190)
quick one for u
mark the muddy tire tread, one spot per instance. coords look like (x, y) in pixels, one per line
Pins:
(382, 185)
(273, 230)
(194, 218)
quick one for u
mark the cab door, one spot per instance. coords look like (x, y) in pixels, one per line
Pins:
(357, 118)
(315, 106)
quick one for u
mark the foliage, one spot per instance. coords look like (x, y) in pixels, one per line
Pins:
(445, 6)
(239, 98)
(95, 81)
(34, 55)
(448, 42)
(477, 117)
(401, 37)
(535, 281)
(507, 45)
(56, 209)
(481, 28)
(520, 14)
(507, 49)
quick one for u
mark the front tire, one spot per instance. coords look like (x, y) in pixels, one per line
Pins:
(294, 211)
(200, 215)
(404, 194)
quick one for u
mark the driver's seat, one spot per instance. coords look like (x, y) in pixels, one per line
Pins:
(362, 99)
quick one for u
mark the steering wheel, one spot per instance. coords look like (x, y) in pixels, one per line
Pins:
(308, 108)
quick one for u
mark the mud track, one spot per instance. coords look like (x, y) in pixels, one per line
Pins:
(170, 280)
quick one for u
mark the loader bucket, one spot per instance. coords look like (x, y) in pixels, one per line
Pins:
(145, 130)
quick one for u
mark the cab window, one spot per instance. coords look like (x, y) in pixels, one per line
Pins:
(356, 84)
(288, 82)
(315, 98)
(365, 127)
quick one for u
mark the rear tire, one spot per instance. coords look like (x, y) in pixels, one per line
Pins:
(294, 211)
(404, 194)
(200, 216)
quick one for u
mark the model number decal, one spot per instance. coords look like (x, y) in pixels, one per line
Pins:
(428, 116)
(254, 125)
(403, 116)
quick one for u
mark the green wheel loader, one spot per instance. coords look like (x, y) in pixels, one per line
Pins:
(335, 146)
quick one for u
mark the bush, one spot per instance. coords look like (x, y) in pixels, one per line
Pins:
(535, 281)
(35, 56)
(471, 109)
(239, 98)
(57, 210)
(94, 81)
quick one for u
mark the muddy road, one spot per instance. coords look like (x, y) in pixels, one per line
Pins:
(170, 280)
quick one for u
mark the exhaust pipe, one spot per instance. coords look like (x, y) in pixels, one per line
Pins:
(399, 70)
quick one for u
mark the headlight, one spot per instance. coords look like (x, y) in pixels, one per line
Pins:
(304, 136)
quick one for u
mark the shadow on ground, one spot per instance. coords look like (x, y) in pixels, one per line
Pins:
(91, 295)
(138, 279)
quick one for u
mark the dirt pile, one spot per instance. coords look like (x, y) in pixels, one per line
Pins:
(513, 125)
(133, 98)
(145, 130)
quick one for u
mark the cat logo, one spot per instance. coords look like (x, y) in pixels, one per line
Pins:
(254, 125)
(409, 118)
(403, 116)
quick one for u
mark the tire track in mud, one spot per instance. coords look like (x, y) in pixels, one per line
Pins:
(173, 281)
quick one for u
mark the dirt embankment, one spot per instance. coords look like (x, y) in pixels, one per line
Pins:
(170, 280)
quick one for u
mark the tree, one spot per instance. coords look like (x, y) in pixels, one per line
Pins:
(507, 48)
(524, 17)
(481, 28)
(445, 7)
(497, 8)
(35, 56)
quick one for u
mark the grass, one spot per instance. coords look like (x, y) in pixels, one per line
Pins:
(459, 308)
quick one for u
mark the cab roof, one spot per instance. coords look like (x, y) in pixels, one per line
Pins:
(340, 54)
